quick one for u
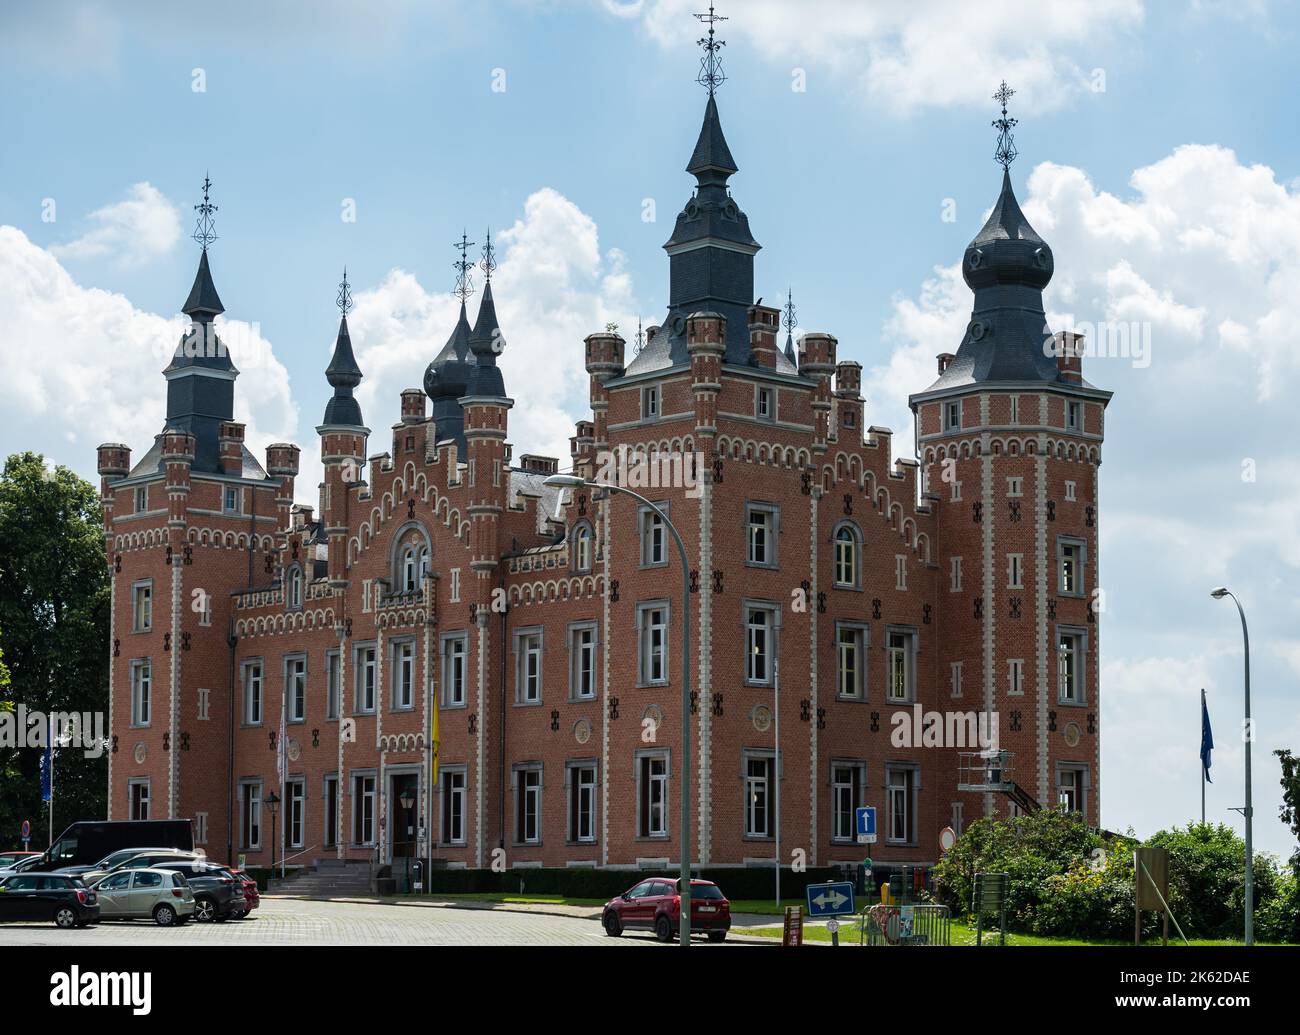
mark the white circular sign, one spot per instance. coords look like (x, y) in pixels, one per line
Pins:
(947, 838)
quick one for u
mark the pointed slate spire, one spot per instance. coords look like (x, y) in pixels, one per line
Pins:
(203, 303)
(486, 340)
(711, 160)
(343, 374)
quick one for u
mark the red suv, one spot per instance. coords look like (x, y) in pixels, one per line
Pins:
(654, 905)
(251, 897)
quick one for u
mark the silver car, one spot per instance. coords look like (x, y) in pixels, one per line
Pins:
(163, 896)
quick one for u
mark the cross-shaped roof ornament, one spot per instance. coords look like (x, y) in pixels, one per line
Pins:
(204, 230)
(464, 285)
(711, 75)
(1006, 152)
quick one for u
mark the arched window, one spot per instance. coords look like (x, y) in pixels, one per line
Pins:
(422, 565)
(295, 588)
(582, 548)
(847, 559)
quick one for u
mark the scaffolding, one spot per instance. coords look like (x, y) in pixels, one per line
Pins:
(992, 772)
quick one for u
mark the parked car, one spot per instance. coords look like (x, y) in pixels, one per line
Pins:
(252, 898)
(218, 893)
(164, 896)
(654, 905)
(16, 862)
(48, 896)
(82, 843)
(141, 858)
(111, 862)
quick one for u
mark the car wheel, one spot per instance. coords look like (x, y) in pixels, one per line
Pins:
(164, 916)
(204, 910)
(717, 936)
(612, 926)
(664, 929)
(65, 917)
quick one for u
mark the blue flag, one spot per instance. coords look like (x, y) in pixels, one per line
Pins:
(1207, 739)
(47, 771)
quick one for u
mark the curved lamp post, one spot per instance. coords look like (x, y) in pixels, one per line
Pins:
(1248, 811)
(573, 481)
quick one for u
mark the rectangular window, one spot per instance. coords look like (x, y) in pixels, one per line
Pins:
(200, 828)
(1014, 486)
(848, 781)
(952, 416)
(1015, 408)
(765, 407)
(956, 491)
(1070, 647)
(250, 814)
(1071, 493)
(455, 650)
(363, 809)
(205, 704)
(364, 662)
(1071, 788)
(899, 784)
(295, 811)
(851, 661)
(759, 806)
(900, 571)
(654, 536)
(582, 801)
(1016, 676)
(403, 675)
(230, 500)
(1069, 555)
(141, 499)
(142, 606)
(760, 647)
(455, 585)
(331, 835)
(139, 791)
(1073, 416)
(760, 523)
(333, 702)
(652, 795)
(902, 665)
(141, 691)
(954, 575)
(582, 662)
(954, 678)
(528, 667)
(453, 806)
(652, 644)
(1015, 571)
(650, 402)
(295, 688)
(528, 805)
(252, 693)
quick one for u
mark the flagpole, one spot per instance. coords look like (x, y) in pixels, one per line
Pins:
(1202, 762)
(50, 748)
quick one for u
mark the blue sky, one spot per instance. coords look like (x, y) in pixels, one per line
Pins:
(1169, 197)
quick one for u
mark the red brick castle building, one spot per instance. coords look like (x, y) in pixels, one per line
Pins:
(262, 648)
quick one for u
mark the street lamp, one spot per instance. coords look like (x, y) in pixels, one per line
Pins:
(1248, 811)
(573, 481)
(408, 800)
(272, 803)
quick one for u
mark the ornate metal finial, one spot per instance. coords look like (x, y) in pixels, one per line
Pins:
(1006, 152)
(788, 318)
(464, 285)
(489, 262)
(640, 337)
(711, 75)
(344, 299)
(204, 230)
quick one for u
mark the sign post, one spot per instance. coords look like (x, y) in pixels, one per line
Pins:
(831, 900)
(866, 822)
(793, 932)
(25, 832)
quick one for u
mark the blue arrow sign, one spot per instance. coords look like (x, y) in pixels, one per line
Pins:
(834, 899)
(866, 819)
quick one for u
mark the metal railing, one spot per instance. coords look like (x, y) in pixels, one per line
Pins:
(905, 925)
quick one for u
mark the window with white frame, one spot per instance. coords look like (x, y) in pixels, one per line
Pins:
(453, 783)
(652, 643)
(954, 678)
(1015, 571)
(954, 575)
(409, 573)
(1073, 416)
(654, 536)
(952, 416)
(139, 798)
(901, 655)
(1071, 492)
(1015, 676)
(582, 661)
(252, 680)
(650, 402)
(900, 783)
(760, 809)
(295, 688)
(957, 821)
(955, 491)
(141, 691)
(528, 804)
(760, 643)
(295, 811)
(1069, 555)
(528, 666)
(454, 588)
(365, 665)
(230, 501)
(141, 499)
(652, 794)
(332, 696)
(580, 779)
(765, 403)
(847, 548)
(851, 660)
(455, 650)
(900, 571)
(250, 814)
(760, 526)
(295, 588)
(582, 540)
(848, 783)
(1070, 652)
(403, 661)
(1072, 787)
(364, 801)
(142, 606)
(205, 704)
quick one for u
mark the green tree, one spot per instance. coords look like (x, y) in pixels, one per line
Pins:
(54, 621)
(1290, 811)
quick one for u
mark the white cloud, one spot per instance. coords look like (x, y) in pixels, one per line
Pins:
(142, 227)
(553, 286)
(925, 53)
(82, 365)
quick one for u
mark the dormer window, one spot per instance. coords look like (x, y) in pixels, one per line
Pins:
(650, 403)
(295, 588)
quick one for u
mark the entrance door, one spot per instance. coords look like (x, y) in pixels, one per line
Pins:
(404, 822)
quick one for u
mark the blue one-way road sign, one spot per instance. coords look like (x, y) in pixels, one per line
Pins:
(866, 819)
(830, 899)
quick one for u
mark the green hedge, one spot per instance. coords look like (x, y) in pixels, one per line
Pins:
(573, 882)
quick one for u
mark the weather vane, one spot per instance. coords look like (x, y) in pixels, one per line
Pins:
(640, 336)
(344, 299)
(489, 262)
(711, 63)
(464, 286)
(204, 233)
(788, 319)
(1006, 152)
